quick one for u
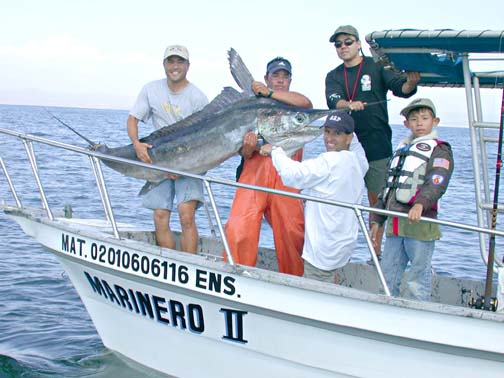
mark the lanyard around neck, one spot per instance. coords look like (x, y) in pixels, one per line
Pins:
(350, 98)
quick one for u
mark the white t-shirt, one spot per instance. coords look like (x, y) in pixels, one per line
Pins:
(330, 231)
(156, 100)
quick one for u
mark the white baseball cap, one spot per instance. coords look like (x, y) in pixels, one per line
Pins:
(178, 50)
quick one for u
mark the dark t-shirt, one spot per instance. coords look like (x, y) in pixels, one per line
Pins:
(371, 124)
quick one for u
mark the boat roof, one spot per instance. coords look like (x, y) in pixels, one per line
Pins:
(437, 54)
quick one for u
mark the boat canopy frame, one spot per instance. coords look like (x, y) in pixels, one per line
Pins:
(439, 54)
(443, 57)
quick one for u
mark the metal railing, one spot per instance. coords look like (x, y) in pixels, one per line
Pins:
(479, 141)
(94, 158)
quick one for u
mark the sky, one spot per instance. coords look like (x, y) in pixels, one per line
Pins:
(99, 53)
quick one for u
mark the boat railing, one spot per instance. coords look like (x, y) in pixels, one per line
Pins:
(487, 204)
(94, 159)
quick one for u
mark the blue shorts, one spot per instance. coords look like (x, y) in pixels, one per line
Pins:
(184, 189)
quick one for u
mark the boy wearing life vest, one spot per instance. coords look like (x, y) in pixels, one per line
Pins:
(418, 176)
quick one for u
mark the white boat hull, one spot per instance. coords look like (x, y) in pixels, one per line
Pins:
(205, 318)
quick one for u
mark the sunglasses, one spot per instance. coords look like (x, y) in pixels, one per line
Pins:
(347, 42)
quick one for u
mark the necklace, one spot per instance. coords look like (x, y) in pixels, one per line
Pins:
(350, 98)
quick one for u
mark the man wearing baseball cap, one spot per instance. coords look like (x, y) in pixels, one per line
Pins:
(167, 101)
(337, 174)
(344, 29)
(284, 214)
(357, 82)
(278, 64)
(177, 50)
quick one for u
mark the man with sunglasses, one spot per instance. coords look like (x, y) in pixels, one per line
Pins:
(359, 81)
(284, 214)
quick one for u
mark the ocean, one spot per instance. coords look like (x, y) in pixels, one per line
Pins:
(45, 330)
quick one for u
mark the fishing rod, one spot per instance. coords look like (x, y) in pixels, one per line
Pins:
(350, 110)
(90, 142)
(347, 109)
(491, 244)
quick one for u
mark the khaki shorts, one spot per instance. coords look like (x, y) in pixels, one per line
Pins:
(332, 276)
(376, 175)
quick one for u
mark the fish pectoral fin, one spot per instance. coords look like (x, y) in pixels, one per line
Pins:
(147, 187)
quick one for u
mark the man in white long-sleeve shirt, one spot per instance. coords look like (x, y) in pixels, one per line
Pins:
(338, 174)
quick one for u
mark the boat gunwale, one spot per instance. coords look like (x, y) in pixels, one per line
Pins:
(259, 274)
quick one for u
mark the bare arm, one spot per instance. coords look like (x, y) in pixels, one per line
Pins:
(292, 98)
(140, 148)
(287, 97)
(373, 234)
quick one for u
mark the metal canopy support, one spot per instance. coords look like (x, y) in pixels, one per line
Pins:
(442, 56)
(479, 154)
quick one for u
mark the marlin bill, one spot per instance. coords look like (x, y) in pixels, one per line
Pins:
(205, 139)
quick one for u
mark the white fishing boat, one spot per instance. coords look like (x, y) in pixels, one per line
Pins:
(198, 316)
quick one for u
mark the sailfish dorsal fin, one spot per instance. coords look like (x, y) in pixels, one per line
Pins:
(240, 72)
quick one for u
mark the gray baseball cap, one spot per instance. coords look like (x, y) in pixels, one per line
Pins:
(418, 103)
(278, 64)
(344, 29)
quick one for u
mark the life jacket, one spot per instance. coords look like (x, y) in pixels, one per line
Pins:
(407, 169)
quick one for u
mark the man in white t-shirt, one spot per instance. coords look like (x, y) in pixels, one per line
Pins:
(338, 174)
(167, 101)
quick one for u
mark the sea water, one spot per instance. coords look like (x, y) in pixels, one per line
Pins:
(45, 330)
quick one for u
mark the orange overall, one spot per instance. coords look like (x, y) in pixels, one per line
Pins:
(284, 215)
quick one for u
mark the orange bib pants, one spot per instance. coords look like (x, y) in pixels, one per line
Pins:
(284, 214)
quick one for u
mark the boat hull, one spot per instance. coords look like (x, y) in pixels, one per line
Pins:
(196, 317)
